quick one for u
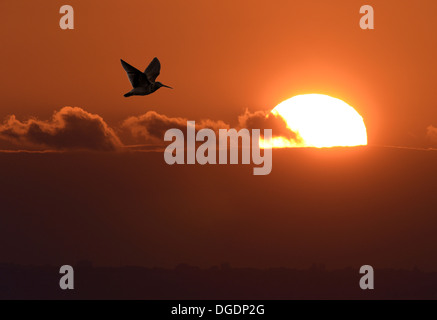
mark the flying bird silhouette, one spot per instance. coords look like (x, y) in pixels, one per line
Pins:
(143, 83)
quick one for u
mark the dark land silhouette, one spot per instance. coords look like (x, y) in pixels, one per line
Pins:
(343, 208)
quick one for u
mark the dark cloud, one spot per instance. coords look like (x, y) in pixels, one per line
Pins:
(266, 120)
(69, 128)
(74, 128)
(431, 133)
(153, 125)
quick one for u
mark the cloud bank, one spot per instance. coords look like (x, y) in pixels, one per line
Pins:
(152, 125)
(71, 128)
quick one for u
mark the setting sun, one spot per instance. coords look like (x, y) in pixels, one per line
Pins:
(320, 121)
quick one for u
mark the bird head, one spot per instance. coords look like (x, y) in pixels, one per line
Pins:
(162, 85)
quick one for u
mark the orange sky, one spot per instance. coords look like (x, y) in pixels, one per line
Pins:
(223, 57)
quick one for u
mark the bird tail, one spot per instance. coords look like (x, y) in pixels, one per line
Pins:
(128, 94)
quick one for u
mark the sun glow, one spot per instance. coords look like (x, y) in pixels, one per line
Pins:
(319, 121)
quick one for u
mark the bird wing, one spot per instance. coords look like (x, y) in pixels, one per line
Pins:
(153, 69)
(136, 77)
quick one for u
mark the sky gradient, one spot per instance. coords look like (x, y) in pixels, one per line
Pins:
(223, 57)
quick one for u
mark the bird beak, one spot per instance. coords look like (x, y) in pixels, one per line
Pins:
(167, 86)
